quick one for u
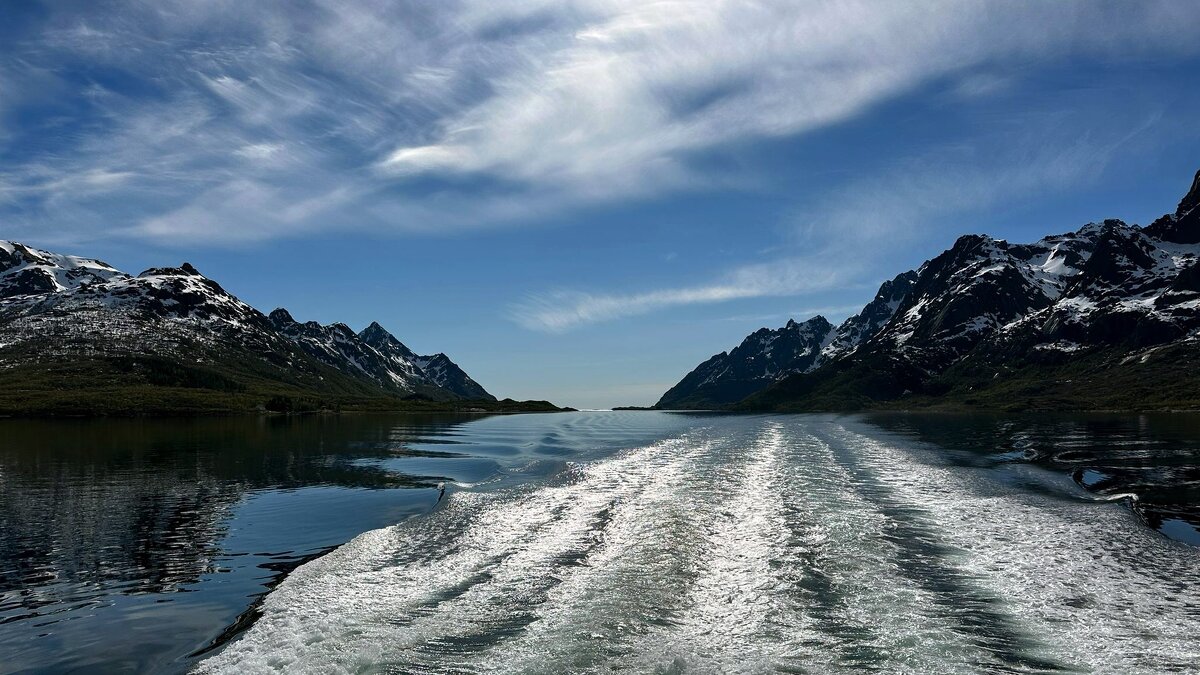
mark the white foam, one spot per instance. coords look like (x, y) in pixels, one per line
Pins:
(1098, 587)
(763, 543)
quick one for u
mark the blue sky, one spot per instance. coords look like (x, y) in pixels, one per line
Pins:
(582, 200)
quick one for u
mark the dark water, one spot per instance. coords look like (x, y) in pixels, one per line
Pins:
(602, 541)
(1154, 456)
(132, 544)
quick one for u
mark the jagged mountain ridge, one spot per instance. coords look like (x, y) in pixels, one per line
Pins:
(436, 369)
(103, 311)
(58, 311)
(990, 316)
(763, 357)
(446, 374)
(338, 346)
(1106, 285)
(29, 271)
(767, 356)
(860, 327)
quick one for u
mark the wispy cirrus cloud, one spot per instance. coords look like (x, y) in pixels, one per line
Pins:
(561, 311)
(638, 86)
(856, 229)
(549, 104)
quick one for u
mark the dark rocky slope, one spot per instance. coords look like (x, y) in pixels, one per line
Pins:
(1105, 317)
(767, 356)
(78, 336)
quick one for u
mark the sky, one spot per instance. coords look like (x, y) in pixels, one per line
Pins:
(581, 200)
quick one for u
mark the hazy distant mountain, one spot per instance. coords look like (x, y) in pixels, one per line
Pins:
(76, 333)
(1106, 316)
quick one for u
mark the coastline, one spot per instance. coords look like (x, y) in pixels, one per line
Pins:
(100, 404)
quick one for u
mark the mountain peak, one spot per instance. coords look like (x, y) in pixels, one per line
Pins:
(378, 337)
(29, 271)
(763, 357)
(448, 375)
(1183, 226)
(816, 321)
(184, 270)
(281, 316)
(1191, 200)
(969, 240)
(376, 334)
(896, 288)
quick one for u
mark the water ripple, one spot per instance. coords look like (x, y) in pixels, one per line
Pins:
(768, 544)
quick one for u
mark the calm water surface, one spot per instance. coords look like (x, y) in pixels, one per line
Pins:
(646, 542)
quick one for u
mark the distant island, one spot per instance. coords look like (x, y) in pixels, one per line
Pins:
(1103, 318)
(79, 337)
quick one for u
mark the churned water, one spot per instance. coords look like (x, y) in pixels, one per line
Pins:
(768, 543)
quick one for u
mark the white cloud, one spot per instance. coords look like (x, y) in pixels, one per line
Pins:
(855, 231)
(222, 209)
(260, 151)
(637, 86)
(425, 158)
(561, 311)
(564, 103)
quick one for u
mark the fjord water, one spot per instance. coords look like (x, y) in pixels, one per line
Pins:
(648, 542)
(142, 545)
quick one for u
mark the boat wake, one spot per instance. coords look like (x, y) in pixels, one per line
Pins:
(762, 544)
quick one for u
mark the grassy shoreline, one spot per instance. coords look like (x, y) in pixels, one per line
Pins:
(125, 386)
(149, 401)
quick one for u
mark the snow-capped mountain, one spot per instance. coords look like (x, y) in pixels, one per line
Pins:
(763, 357)
(174, 326)
(1105, 294)
(55, 306)
(338, 346)
(447, 375)
(1106, 285)
(437, 370)
(26, 271)
(400, 359)
(860, 327)
(767, 356)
